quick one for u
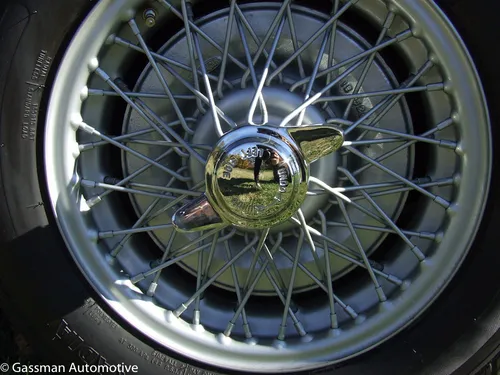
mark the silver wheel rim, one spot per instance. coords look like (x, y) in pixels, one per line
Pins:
(370, 306)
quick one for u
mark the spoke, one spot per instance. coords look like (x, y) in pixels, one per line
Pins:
(423, 235)
(164, 59)
(125, 137)
(396, 39)
(378, 287)
(388, 103)
(206, 81)
(114, 233)
(182, 253)
(91, 130)
(139, 105)
(329, 281)
(279, 17)
(189, 39)
(154, 284)
(404, 136)
(307, 94)
(195, 297)
(91, 202)
(121, 189)
(302, 219)
(225, 53)
(176, 201)
(311, 39)
(258, 91)
(444, 124)
(249, 291)
(427, 88)
(415, 249)
(391, 278)
(344, 198)
(332, 297)
(262, 104)
(315, 97)
(282, 330)
(130, 94)
(199, 94)
(295, 43)
(333, 39)
(262, 241)
(142, 219)
(201, 278)
(387, 24)
(202, 33)
(161, 78)
(172, 144)
(234, 274)
(435, 198)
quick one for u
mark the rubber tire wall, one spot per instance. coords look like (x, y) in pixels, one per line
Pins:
(49, 301)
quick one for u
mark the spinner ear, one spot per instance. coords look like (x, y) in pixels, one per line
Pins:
(316, 141)
(197, 215)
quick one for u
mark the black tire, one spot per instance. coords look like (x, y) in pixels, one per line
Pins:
(71, 324)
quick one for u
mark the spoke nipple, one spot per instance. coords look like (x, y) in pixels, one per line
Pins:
(93, 235)
(223, 339)
(353, 314)
(459, 149)
(281, 333)
(137, 278)
(439, 236)
(251, 341)
(405, 285)
(279, 343)
(359, 319)
(196, 317)
(457, 179)
(334, 332)
(452, 209)
(380, 294)
(300, 328)
(307, 338)
(111, 39)
(84, 93)
(149, 17)
(178, 312)
(442, 202)
(152, 289)
(91, 202)
(110, 259)
(418, 253)
(93, 64)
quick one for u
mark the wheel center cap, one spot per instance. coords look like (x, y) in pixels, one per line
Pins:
(256, 176)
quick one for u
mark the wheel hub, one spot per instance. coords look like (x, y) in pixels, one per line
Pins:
(256, 176)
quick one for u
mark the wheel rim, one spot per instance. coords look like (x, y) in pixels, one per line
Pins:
(379, 271)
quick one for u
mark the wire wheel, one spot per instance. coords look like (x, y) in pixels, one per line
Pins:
(145, 92)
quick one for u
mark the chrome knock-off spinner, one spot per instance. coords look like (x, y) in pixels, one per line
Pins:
(256, 176)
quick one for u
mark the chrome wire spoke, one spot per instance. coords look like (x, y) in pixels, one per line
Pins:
(174, 10)
(295, 43)
(225, 52)
(251, 288)
(387, 104)
(359, 84)
(441, 126)
(200, 95)
(316, 35)
(143, 95)
(307, 94)
(260, 245)
(253, 74)
(181, 254)
(166, 253)
(113, 233)
(93, 131)
(126, 43)
(378, 288)
(362, 55)
(414, 248)
(331, 47)
(200, 289)
(163, 82)
(303, 223)
(435, 198)
(280, 16)
(287, 310)
(125, 137)
(258, 90)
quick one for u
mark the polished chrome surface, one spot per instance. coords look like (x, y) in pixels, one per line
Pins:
(257, 176)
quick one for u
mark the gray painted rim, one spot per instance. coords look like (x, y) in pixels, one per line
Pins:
(313, 350)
